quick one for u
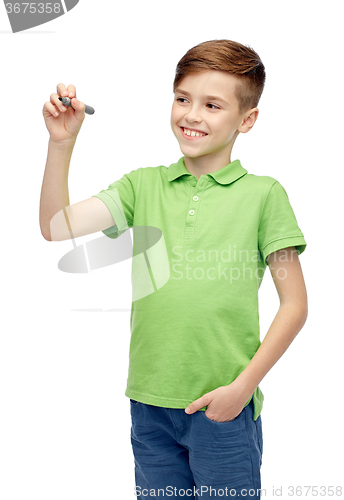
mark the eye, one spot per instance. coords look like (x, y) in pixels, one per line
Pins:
(213, 106)
(181, 99)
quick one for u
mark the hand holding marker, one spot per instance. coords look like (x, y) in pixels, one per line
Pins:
(66, 101)
(64, 121)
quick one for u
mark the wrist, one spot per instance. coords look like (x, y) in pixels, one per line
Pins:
(243, 386)
(65, 145)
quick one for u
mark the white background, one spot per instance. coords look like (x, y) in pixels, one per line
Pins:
(64, 418)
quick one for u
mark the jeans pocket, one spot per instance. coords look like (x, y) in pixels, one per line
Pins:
(134, 402)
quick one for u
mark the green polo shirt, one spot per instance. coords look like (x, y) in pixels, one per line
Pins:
(197, 327)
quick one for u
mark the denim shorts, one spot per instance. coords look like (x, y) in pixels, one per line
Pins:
(179, 455)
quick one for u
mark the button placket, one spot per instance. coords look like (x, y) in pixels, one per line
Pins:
(195, 199)
(189, 231)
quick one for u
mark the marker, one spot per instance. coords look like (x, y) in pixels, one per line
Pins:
(66, 101)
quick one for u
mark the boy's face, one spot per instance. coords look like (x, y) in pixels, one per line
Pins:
(205, 115)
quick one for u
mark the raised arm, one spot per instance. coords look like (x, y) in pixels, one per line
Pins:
(58, 219)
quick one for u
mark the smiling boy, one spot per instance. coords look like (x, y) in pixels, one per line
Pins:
(206, 120)
(195, 358)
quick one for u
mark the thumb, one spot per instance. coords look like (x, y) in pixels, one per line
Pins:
(79, 107)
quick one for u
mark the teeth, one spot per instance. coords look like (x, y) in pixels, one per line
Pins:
(192, 133)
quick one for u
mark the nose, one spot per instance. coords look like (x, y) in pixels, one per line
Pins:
(193, 115)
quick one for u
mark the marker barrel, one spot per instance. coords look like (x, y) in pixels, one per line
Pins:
(66, 101)
(89, 110)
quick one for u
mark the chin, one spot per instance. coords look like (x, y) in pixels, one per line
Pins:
(192, 155)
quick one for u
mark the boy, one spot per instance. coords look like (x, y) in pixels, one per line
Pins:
(195, 355)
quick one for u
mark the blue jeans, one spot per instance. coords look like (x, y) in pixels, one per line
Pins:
(179, 455)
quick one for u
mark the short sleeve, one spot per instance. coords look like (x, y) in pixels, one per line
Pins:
(120, 200)
(278, 227)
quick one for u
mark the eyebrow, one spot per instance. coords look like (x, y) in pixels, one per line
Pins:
(207, 97)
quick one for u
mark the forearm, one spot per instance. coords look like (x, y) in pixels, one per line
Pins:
(288, 321)
(54, 193)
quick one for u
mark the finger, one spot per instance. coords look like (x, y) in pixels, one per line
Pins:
(54, 99)
(195, 405)
(199, 403)
(71, 91)
(61, 90)
(50, 108)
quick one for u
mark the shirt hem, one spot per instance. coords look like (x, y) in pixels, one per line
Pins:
(149, 399)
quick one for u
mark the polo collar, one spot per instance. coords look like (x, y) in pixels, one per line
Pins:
(225, 175)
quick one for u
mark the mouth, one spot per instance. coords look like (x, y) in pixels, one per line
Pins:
(192, 134)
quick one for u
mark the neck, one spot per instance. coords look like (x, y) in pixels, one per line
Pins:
(206, 164)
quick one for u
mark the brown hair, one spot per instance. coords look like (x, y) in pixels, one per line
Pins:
(231, 57)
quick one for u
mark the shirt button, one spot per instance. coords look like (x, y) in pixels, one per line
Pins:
(195, 198)
(191, 212)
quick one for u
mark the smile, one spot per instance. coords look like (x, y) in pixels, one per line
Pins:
(192, 133)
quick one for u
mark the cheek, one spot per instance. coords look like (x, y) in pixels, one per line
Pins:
(177, 113)
(173, 118)
(225, 131)
(173, 122)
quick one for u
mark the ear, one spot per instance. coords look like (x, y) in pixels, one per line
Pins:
(249, 120)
